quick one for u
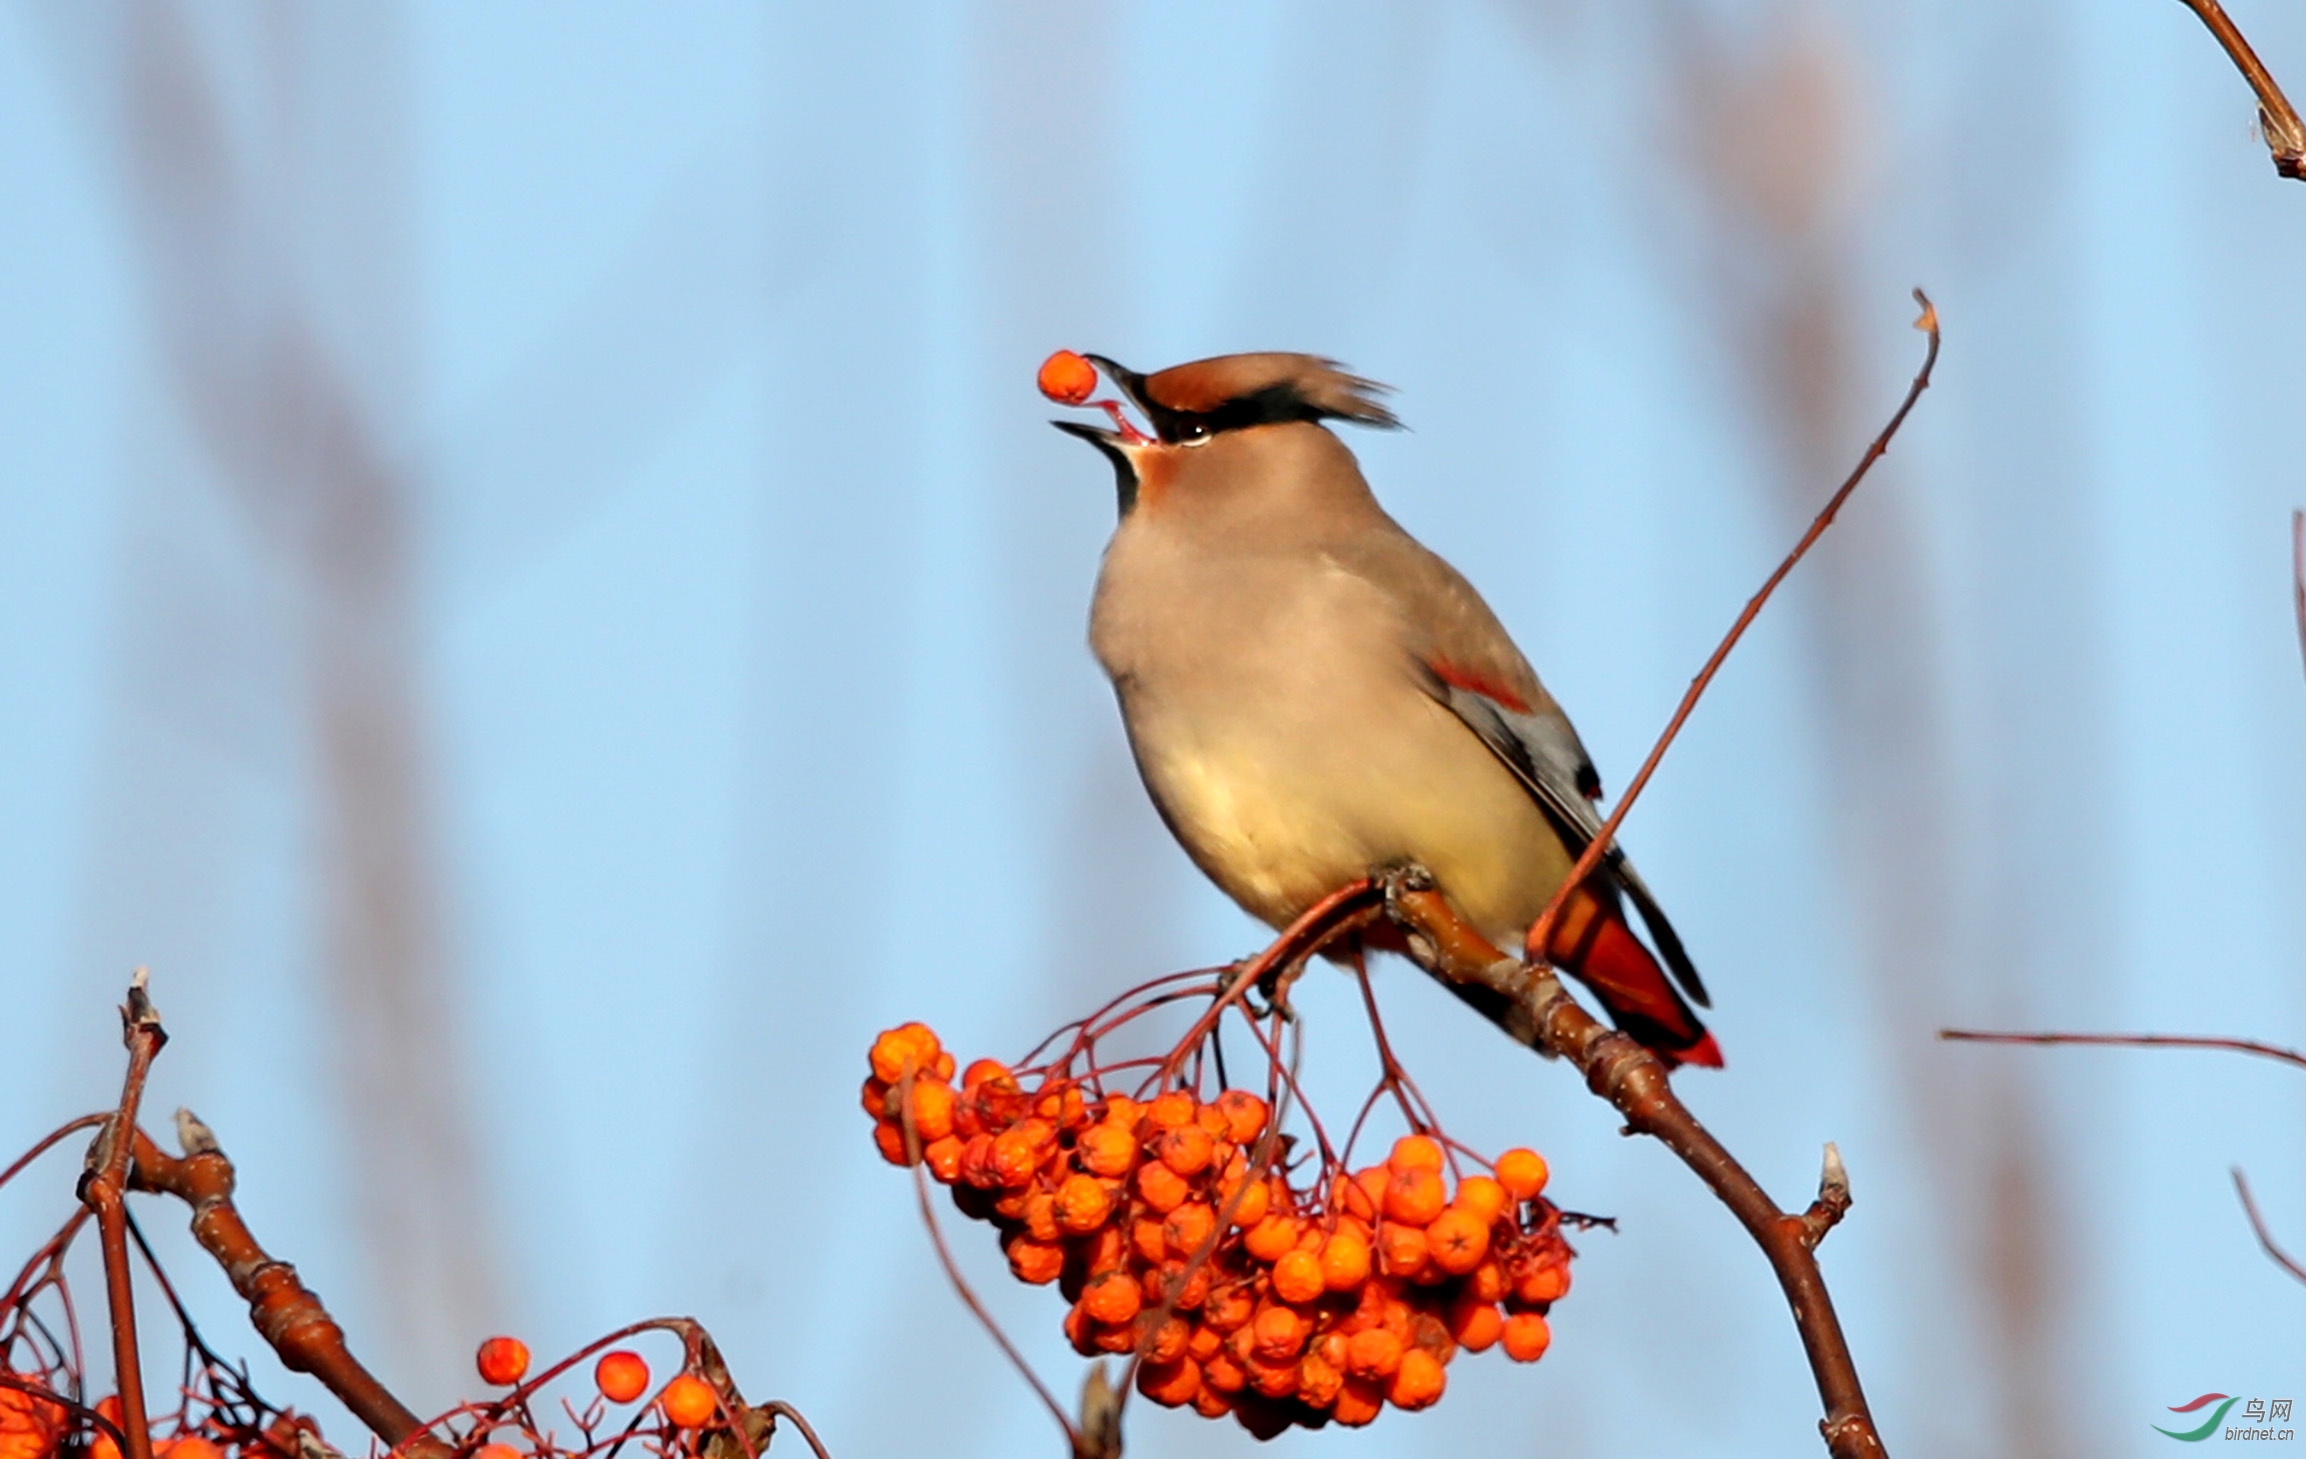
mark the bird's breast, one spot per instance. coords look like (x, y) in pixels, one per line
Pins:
(1278, 724)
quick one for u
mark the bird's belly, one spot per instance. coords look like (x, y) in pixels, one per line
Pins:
(1280, 820)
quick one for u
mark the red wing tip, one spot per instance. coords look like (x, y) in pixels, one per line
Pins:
(1705, 1053)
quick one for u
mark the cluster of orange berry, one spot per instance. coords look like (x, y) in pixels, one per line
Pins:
(37, 1427)
(1243, 1293)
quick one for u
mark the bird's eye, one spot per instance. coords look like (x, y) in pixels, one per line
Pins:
(1193, 433)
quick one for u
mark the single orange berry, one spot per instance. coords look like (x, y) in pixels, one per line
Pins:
(1244, 1113)
(502, 1361)
(875, 1096)
(1481, 1196)
(1171, 1110)
(1457, 1241)
(1163, 1189)
(1358, 1401)
(1120, 1109)
(1250, 1206)
(1415, 1197)
(1149, 1238)
(485, 1451)
(1374, 1353)
(1170, 1341)
(1486, 1282)
(1187, 1149)
(932, 1108)
(1209, 1403)
(1172, 1384)
(907, 1046)
(689, 1402)
(1224, 1374)
(1476, 1325)
(1363, 1194)
(982, 1070)
(1035, 1263)
(1194, 1292)
(1318, 1381)
(943, 1157)
(943, 1066)
(1547, 1283)
(1274, 1380)
(1402, 1249)
(1113, 1299)
(1526, 1337)
(1278, 1335)
(1106, 1150)
(1344, 1259)
(1297, 1277)
(1415, 1152)
(1418, 1382)
(1522, 1173)
(621, 1375)
(1119, 1339)
(889, 1139)
(1082, 1204)
(1187, 1227)
(1067, 379)
(1271, 1238)
(1019, 1150)
(1229, 1309)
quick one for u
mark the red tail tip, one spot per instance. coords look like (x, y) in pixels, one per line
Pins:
(1705, 1053)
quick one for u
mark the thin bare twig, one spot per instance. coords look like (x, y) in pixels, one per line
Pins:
(2254, 1047)
(1833, 1202)
(2129, 1041)
(104, 1190)
(1635, 1083)
(1537, 946)
(2285, 135)
(2298, 576)
(2282, 1259)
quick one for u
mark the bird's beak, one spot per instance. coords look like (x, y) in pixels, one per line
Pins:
(1124, 435)
(1120, 444)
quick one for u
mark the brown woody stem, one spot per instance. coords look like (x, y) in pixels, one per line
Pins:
(104, 1190)
(2285, 135)
(283, 1310)
(1634, 1082)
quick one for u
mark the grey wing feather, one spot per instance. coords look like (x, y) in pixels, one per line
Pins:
(1543, 752)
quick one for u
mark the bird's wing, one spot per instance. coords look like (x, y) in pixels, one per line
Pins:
(1543, 752)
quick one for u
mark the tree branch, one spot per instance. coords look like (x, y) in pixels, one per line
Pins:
(1634, 1082)
(2282, 1259)
(283, 1310)
(104, 1190)
(2128, 1041)
(2285, 135)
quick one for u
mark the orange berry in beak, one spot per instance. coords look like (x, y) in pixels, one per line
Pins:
(1067, 378)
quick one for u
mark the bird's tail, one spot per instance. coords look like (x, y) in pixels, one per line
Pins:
(1593, 944)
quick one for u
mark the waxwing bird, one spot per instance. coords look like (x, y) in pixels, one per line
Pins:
(1310, 694)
